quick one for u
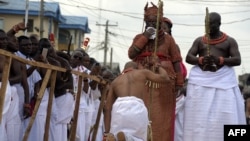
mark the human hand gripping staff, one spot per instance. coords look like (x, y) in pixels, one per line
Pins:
(154, 34)
(212, 80)
(145, 46)
(209, 61)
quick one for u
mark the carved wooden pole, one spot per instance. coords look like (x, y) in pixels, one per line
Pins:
(38, 102)
(76, 111)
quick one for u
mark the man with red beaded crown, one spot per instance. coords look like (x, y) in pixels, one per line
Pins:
(160, 101)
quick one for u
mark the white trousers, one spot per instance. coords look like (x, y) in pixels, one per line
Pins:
(130, 115)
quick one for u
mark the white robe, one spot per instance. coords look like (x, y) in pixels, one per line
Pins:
(96, 95)
(179, 116)
(86, 109)
(213, 100)
(38, 127)
(6, 106)
(85, 115)
(21, 96)
(13, 127)
(65, 109)
(130, 116)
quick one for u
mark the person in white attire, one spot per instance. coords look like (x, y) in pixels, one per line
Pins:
(96, 90)
(96, 93)
(34, 81)
(8, 94)
(6, 108)
(62, 104)
(86, 107)
(64, 98)
(19, 83)
(179, 114)
(14, 123)
(213, 95)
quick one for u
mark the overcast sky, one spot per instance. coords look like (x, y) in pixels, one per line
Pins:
(126, 20)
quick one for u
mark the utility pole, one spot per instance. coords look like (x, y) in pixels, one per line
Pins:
(106, 41)
(41, 18)
(111, 58)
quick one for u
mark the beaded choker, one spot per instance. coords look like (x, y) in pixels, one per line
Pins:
(215, 41)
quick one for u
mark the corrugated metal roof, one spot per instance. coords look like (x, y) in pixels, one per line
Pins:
(75, 22)
(33, 5)
(51, 9)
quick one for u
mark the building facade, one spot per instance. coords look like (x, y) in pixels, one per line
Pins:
(45, 22)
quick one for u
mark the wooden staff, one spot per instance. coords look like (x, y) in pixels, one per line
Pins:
(207, 31)
(153, 85)
(76, 111)
(5, 77)
(38, 102)
(100, 110)
(160, 4)
(50, 102)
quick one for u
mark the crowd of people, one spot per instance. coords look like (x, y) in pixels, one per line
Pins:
(25, 82)
(152, 99)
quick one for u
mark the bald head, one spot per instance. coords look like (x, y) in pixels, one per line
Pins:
(214, 16)
(130, 64)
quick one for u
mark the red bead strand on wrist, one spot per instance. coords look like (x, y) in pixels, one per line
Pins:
(200, 60)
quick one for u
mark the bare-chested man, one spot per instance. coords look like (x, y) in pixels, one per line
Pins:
(20, 106)
(213, 96)
(63, 105)
(125, 114)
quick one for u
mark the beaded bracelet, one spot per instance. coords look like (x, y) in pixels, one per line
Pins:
(200, 60)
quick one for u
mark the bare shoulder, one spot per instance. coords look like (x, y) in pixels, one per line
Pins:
(232, 44)
(138, 36)
(196, 43)
(198, 39)
(231, 39)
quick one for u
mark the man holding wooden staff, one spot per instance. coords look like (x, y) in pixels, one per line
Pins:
(160, 100)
